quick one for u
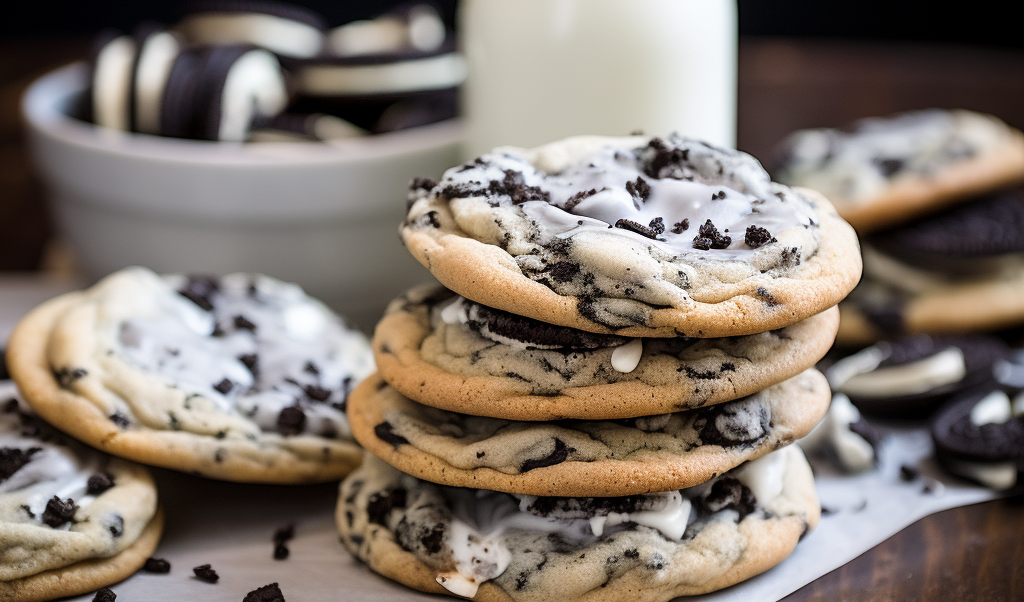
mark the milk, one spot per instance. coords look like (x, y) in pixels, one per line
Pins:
(540, 70)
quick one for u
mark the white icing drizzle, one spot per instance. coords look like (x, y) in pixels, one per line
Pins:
(855, 454)
(55, 470)
(994, 408)
(170, 336)
(625, 358)
(745, 199)
(943, 368)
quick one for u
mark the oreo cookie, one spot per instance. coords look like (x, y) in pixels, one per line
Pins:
(844, 439)
(961, 240)
(154, 60)
(910, 377)
(284, 29)
(980, 436)
(112, 59)
(217, 92)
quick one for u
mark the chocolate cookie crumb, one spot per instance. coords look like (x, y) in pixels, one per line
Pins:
(422, 183)
(640, 229)
(252, 362)
(757, 236)
(679, 227)
(281, 537)
(120, 420)
(386, 433)
(557, 456)
(104, 594)
(291, 421)
(157, 565)
(708, 237)
(205, 573)
(640, 190)
(199, 290)
(578, 198)
(98, 483)
(67, 376)
(59, 512)
(13, 458)
(267, 593)
(223, 387)
(243, 323)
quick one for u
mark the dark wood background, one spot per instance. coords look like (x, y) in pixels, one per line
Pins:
(972, 554)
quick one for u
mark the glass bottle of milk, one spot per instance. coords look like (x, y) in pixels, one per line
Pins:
(540, 70)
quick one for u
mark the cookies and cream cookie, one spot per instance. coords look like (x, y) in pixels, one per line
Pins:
(634, 236)
(961, 270)
(71, 519)
(448, 352)
(980, 436)
(241, 378)
(583, 457)
(883, 171)
(492, 546)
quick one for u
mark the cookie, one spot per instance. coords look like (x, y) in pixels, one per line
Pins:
(884, 171)
(583, 457)
(980, 436)
(844, 439)
(284, 29)
(911, 376)
(633, 236)
(450, 353)
(495, 546)
(71, 519)
(242, 378)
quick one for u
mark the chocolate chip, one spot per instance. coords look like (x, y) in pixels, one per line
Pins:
(157, 565)
(12, 459)
(708, 237)
(98, 483)
(291, 421)
(223, 386)
(104, 594)
(317, 393)
(199, 290)
(59, 512)
(679, 227)
(557, 456)
(243, 323)
(267, 593)
(386, 433)
(205, 572)
(757, 236)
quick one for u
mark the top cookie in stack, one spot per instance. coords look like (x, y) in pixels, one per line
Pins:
(565, 363)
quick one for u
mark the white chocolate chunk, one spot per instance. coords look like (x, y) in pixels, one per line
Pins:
(626, 358)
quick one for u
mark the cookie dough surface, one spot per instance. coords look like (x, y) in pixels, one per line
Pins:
(62, 503)
(243, 378)
(646, 548)
(453, 354)
(636, 236)
(884, 171)
(584, 457)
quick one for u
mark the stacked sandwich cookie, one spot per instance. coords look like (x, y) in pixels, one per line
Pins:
(600, 403)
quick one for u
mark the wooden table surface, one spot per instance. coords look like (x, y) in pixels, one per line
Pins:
(969, 554)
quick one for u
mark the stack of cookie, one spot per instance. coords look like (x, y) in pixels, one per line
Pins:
(600, 402)
(937, 196)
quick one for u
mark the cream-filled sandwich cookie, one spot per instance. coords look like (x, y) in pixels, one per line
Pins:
(880, 172)
(71, 519)
(492, 546)
(284, 29)
(583, 457)
(242, 378)
(634, 236)
(448, 352)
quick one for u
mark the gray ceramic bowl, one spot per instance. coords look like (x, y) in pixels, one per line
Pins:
(323, 215)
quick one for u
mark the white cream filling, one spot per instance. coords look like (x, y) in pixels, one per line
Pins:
(943, 368)
(432, 73)
(625, 358)
(156, 58)
(887, 270)
(426, 29)
(854, 452)
(764, 476)
(283, 36)
(254, 85)
(112, 82)
(994, 408)
(377, 36)
(1002, 475)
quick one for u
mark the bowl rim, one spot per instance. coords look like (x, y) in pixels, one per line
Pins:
(42, 108)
